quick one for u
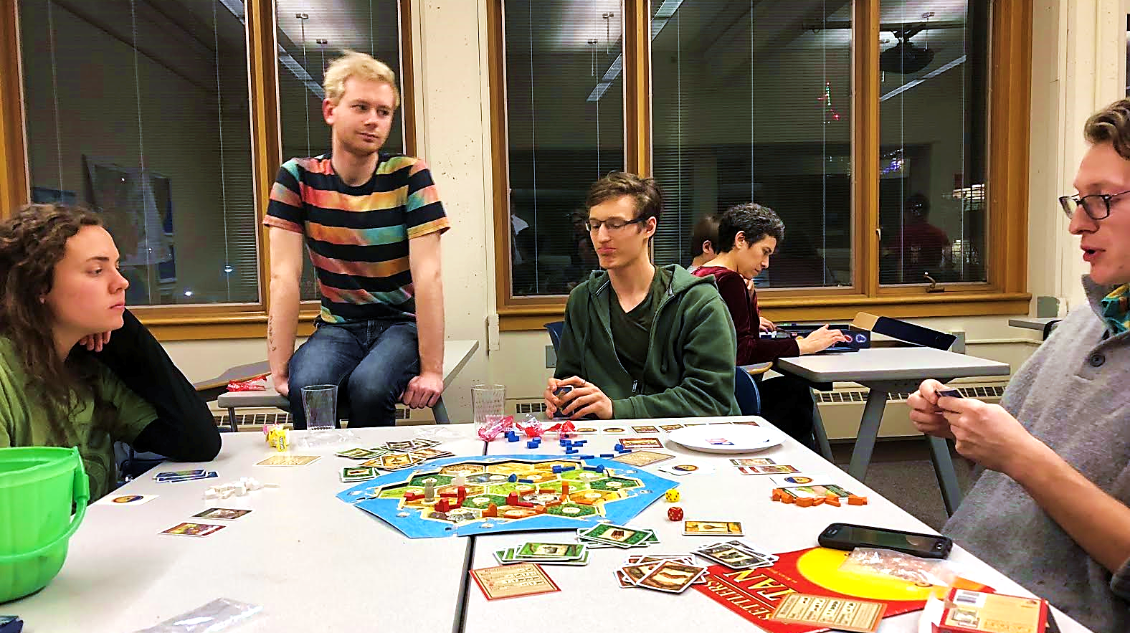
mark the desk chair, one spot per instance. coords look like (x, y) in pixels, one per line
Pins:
(746, 393)
(555, 330)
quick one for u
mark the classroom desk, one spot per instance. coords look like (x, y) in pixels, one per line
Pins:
(312, 562)
(893, 370)
(590, 598)
(455, 357)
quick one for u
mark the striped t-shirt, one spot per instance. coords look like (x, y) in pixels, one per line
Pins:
(357, 237)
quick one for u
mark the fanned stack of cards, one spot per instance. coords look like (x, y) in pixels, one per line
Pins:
(393, 456)
(174, 476)
(668, 573)
(736, 555)
(545, 554)
(609, 535)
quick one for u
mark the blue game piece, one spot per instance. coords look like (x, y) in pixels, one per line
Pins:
(511, 438)
(531, 444)
(587, 456)
(593, 468)
(566, 469)
(580, 442)
(608, 454)
(570, 451)
(600, 468)
(619, 448)
(556, 470)
(512, 478)
(526, 481)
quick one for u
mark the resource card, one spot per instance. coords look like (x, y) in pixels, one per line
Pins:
(838, 613)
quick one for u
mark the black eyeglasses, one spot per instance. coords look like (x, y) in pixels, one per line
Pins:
(1095, 205)
(614, 224)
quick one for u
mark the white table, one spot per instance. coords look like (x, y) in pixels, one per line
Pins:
(893, 369)
(591, 599)
(311, 561)
(455, 357)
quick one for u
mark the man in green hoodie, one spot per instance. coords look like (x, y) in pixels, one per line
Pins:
(640, 341)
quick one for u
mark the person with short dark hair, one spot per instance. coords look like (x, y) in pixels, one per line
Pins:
(704, 238)
(747, 235)
(640, 341)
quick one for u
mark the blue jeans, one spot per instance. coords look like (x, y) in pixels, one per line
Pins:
(371, 362)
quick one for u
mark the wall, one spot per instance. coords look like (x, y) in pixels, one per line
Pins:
(1075, 70)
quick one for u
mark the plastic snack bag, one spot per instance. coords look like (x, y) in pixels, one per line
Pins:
(218, 615)
(892, 564)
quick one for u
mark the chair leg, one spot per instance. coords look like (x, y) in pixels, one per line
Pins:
(231, 420)
(439, 412)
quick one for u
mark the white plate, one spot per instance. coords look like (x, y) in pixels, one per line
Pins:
(725, 438)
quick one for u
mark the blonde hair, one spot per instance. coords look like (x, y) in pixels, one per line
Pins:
(361, 66)
(1112, 123)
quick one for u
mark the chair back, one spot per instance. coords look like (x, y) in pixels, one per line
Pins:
(746, 393)
(555, 330)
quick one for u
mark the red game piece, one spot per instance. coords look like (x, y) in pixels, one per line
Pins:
(512, 499)
(441, 505)
(675, 513)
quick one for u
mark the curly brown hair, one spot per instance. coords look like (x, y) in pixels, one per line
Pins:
(1112, 124)
(32, 242)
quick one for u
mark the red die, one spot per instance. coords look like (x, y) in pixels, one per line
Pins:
(675, 513)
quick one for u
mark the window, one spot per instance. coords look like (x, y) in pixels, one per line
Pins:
(165, 88)
(932, 142)
(865, 124)
(751, 102)
(310, 36)
(564, 129)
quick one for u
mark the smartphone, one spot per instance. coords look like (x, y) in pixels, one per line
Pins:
(847, 537)
(560, 391)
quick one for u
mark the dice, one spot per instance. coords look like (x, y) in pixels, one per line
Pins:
(672, 496)
(674, 513)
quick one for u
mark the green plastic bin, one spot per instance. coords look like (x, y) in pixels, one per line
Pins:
(38, 488)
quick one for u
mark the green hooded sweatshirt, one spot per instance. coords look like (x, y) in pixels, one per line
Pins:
(689, 370)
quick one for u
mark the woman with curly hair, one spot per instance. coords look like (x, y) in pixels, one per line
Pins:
(59, 287)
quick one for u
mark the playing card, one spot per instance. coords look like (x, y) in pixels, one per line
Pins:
(170, 480)
(429, 453)
(193, 529)
(394, 461)
(791, 480)
(670, 427)
(645, 429)
(712, 528)
(824, 490)
(636, 443)
(772, 469)
(684, 468)
(735, 555)
(357, 473)
(221, 514)
(642, 458)
(622, 578)
(751, 461)
(289, 460)
(125, 500)
(400, 446)
(671, 577)
(511, 581)
(424, 442)
(356, 453)
(549, 551)
(617, 535)
(615, 430)
(179, 474)
(636, 573)
(842, 614)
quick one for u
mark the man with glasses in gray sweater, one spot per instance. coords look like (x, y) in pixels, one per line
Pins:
(1050, 507)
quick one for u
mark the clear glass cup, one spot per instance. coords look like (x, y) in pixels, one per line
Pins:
(319, 402)
(487, 400)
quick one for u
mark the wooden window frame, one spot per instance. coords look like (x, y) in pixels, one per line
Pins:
(1009, 102)
(206, 321)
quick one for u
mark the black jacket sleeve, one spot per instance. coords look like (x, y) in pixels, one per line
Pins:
(184, 429)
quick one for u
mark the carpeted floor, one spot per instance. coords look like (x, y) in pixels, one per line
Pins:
(901, 471)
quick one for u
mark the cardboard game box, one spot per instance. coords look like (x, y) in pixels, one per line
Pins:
(976, 612)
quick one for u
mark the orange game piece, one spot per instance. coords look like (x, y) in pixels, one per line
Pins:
(491, 511)
(804, 502)
(539, 509)
(832, 500)
(854, 500)
(817, 501)
(776, 496)
(787, 498)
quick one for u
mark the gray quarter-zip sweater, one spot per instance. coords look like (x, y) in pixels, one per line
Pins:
(1073, 394)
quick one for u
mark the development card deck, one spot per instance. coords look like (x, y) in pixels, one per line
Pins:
(222, 514)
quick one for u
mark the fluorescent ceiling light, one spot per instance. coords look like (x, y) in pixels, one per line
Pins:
(291, 64)
(666, 10)
(930, 75)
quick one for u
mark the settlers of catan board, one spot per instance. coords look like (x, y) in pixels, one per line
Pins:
(507, 493)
